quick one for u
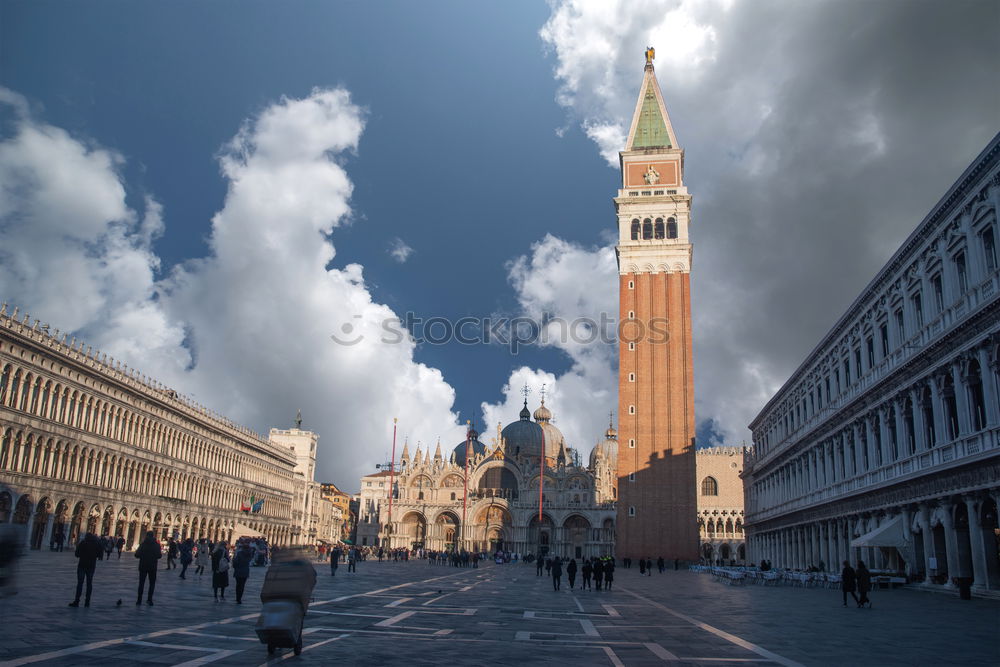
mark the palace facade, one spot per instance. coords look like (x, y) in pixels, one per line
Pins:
(884, 445)
(720, 505)
(490, 500)
(87, 444)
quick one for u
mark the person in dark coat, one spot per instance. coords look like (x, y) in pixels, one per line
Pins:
(609, 573)
(571, 573)
(120, 545)
(171, 553)
(187, 555)
(241, 571)
(661, 564)
(220, 571)
(848, 582)
(649, 567)
(587, 571)
(598, 573)
(148, 553)
(556, 569)
(539, 566)
(864, 578)
(334, 561)
(88, 551)
(642, 566)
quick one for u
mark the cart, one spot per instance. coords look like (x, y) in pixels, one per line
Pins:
(288, 586)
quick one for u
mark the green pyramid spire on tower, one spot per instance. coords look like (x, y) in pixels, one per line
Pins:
(650, 130)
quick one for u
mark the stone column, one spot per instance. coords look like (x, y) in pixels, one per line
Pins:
(885, 448)
(937, 406)
(950, 539)
(902, 441)
(919, 427)
(986, 368)
(961, 399)
(980, 572)
(856, 439)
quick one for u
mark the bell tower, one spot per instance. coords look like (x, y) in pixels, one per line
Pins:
(657, 509)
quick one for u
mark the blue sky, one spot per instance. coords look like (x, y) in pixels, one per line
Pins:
(486, 129)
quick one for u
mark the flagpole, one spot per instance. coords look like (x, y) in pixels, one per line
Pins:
(465, 494)
(392, 476)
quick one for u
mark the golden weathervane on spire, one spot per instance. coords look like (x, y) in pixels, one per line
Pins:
(650, 54)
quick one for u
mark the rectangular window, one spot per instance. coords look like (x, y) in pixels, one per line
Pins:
(847, 373)
(918, 309)
(631, 443)
(900, 327)
(989, 249)
(836, 380)
(870, 344)
(938, 292)
(883, 332)
(631, 476)
(826, 382)
(631, 508)
(631, 346)
(631, 377)
(857, 362)
(631, 316)
(631, 411)
(631, 284)
(963, 278)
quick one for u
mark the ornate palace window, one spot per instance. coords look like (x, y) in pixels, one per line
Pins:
(709, 487)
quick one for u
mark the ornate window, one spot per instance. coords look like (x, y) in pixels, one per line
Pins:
(647, 229)
(709, 487)
(671, 228)
(635, 229)
(658, 229)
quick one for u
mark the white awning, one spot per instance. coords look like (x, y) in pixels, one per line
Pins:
(889, 534)
(242, 530)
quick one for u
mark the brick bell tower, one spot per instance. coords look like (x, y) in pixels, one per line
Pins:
(657, 509)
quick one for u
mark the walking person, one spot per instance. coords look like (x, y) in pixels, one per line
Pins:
(848, 582)
(334, 561)
(598, 574)
(587, 570)
(352, 560)
(202, 559)
(571, 573)
(148, 553)
(649, 567)
(661, 565)
(241, 570)
(87, 553)
(609, 573)
(171, 553)
(539, 566)
(186, 548)
(119, 545)
(220, 571)
(864, 578)
(109, 545)
(556, 569)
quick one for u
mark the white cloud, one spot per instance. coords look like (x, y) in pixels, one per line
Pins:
(399, 250)
(246, 330)
(574, 289)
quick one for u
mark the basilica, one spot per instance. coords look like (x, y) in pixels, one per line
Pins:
(525, 492)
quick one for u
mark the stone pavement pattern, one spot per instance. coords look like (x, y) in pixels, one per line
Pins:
(418, 614)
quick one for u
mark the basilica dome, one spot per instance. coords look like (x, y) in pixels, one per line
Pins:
(524, 437)
(475, 448)
(608, 449)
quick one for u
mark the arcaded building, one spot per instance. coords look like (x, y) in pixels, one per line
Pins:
(720, 505)
(87, 444)
(884, 445)
(444, 502)
(656, 460)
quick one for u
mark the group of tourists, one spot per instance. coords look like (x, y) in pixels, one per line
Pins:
(337, 555)
(598, 573)
(217, 558)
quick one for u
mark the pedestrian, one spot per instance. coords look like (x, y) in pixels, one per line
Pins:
(587, 570)
(609, 573)
(241, 570)
(864, 578)
(649, 567)
(352, 560)
(571, 572)
(120, 545)
(556, 569)
(642, 566)
(203, 558)
(598, 574)
(171, 553)
(539, 566)
(548, 566)
(677, 564)
(334, 561)
(109, 545)
(661, 565)
(220, 571)
(88, 551)
(186, 548)
(148, 553)
(848, 582)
